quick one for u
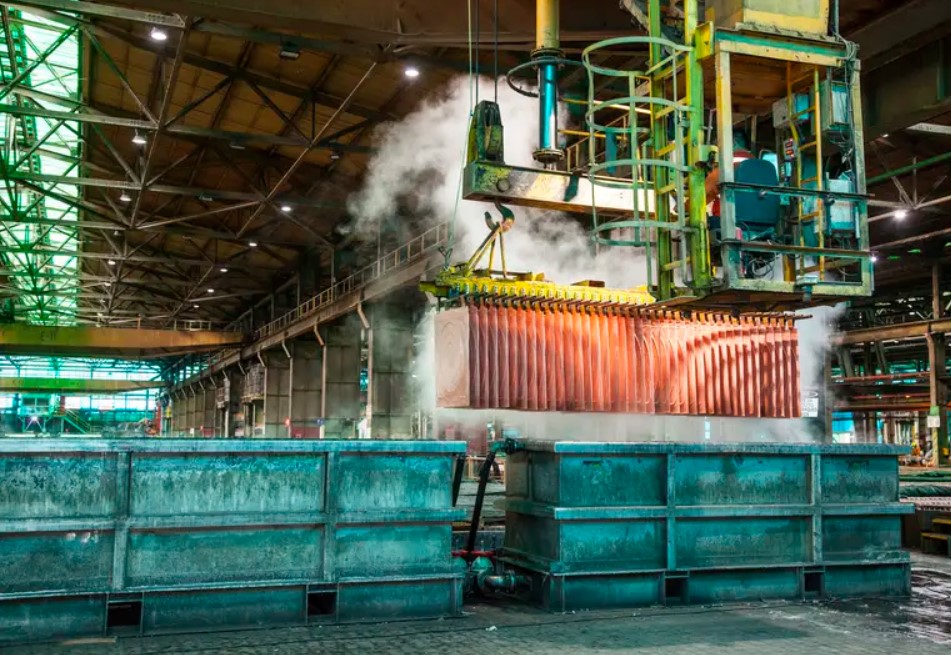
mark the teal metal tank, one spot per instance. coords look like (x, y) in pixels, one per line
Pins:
(599, 525)
(152, 535)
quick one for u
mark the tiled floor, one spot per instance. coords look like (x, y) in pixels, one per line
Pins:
(921, 625)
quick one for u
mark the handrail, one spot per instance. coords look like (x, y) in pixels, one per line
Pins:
(408, 253)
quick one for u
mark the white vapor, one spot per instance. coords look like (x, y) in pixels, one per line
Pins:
(417, 166)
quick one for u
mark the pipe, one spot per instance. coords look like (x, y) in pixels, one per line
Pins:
(904, 170)
(546, 25)
(284, 346)
(879, 378)
(323, 381)
(363, 317)
(547, 47)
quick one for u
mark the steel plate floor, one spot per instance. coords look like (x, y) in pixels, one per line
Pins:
(921, 624)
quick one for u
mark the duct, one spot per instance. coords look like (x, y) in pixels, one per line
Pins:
(621, 360)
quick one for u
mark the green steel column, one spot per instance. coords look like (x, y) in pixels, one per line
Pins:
(665, 277)
(699, 238)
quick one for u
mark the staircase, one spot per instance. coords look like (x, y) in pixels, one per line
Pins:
(81, 425)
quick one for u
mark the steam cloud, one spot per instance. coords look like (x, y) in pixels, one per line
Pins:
(418, 163)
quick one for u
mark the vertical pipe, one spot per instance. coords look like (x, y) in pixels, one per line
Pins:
(547, 47)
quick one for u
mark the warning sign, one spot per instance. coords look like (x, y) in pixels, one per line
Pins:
(810, 404)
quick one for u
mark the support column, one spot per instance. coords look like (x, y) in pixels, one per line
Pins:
(937, 371)
(208, 411)
(306, 390)
(343, 379)
(391, 381)
(191, 403)
(277, 394)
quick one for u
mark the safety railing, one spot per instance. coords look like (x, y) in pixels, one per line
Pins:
(408, 253)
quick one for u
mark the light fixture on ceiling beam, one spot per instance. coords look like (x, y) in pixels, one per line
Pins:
(237, 145)
(223, 269)
(286, 209)
(108, 284)
(206, 197)
(901, 214)
(158, 34)
(139, 139)
(111, 262)
(124, 197)
(289, 51)
(335, 155)
(411, 72)
(253, 244)
(195, 306)
(210, 290)
(874, 258)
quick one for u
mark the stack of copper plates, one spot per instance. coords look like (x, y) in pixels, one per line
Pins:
(563, 357)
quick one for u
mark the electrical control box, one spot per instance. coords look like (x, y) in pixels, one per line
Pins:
(807, 17)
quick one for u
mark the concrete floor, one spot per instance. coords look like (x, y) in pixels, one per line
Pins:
(921, 625)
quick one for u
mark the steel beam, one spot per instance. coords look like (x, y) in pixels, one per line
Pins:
(67, 386)
(909, 90)
(96, 117)
(24, 339)
(904, 331)
(556, 190)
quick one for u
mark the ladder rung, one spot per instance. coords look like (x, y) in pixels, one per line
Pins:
(666, 150)
(665, 111)
(664, 190)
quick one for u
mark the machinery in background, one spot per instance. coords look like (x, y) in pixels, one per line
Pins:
(725, 224)
(776, 223)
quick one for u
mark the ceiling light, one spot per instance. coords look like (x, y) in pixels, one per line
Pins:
(108, 284)
(206, 197)
(124, 197)
(158, 34)
(874, 258)
(253, 244)
(195, 306)
(111, 262)
(236, 145)
(884, 136)
(138, 139)
(285, 208)
(223, 269)
(289, 51)
(210, 290)
(411, 72)
(335, 155)
(901, 214)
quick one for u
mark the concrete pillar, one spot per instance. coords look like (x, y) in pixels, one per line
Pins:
(389, 368)
(208, 410)
(306, 389)
(194, 411)
(343, 400)
(277, 393)
(190, 403)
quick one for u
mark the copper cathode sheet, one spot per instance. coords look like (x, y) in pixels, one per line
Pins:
(571, 358)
